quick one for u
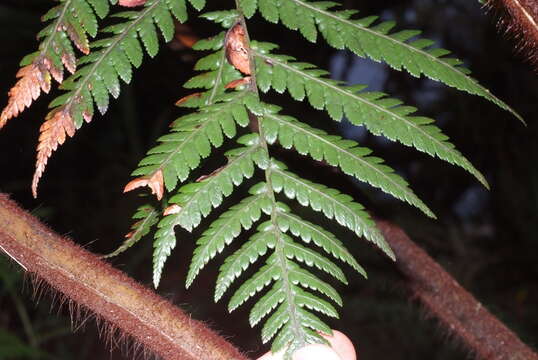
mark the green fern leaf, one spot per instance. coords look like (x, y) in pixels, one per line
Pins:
(225, 229)
(196, 200)
(114, 57)
(345, 154)
(148, 217)
(310, 232)
(381, 115)
(332, 203)
(296, 251)
(234, 265)
(192, 138)
(400, 50)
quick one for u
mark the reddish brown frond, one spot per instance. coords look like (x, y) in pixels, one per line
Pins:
(54, 131)
(155, 183)
(32, 80)
(78, 37)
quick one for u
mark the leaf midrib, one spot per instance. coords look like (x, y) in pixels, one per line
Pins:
(118, 39)
(328, 239)
(211, 180)
(407, 191)
(379, 108)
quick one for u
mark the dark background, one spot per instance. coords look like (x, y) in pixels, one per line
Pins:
(486, 239)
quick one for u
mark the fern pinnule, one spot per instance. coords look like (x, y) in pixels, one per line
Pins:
(380, 114)
(225, 229)
(331, 202)
(310, 232)
(192, 139)
(53, 133)
(345, 154)
(196, 200)
(71, 22)
(147, 217)
(366, 38)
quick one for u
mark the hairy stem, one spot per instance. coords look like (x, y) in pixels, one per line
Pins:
(108, 293)
(457, 310)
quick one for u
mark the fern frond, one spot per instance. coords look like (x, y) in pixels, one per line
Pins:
(380, 114)
(346, 154)
(400, 50)
(113, 58)
(225, 229)
(53, 133)
(196, 200)
(147, 217)
(192, 138)
(71, 21)
(291, 323)
(308, 232)
(332, 203)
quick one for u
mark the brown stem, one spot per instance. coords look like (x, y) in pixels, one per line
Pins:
(108, 293)
(457, 310)
(520, 19)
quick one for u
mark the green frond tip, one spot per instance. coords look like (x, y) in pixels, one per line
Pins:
(380, 114)
(364, 37)
(345, 154)
(147, 217)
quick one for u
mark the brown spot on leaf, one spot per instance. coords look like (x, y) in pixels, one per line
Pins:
(188, 97)
(237, 49)
(132, 3)
(172, 209)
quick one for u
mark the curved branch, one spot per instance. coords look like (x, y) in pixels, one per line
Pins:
(457, 310)
(108, 293)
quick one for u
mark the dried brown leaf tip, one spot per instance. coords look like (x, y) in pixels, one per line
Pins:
(132, 3)
(238, 82)
(237, 49)
(32, 80)
(188, 97)
(172, 209)
(155, 182)
(53, 133)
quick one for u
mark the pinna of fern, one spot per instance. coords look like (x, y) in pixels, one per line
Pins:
(71, 22)
(99, 73)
